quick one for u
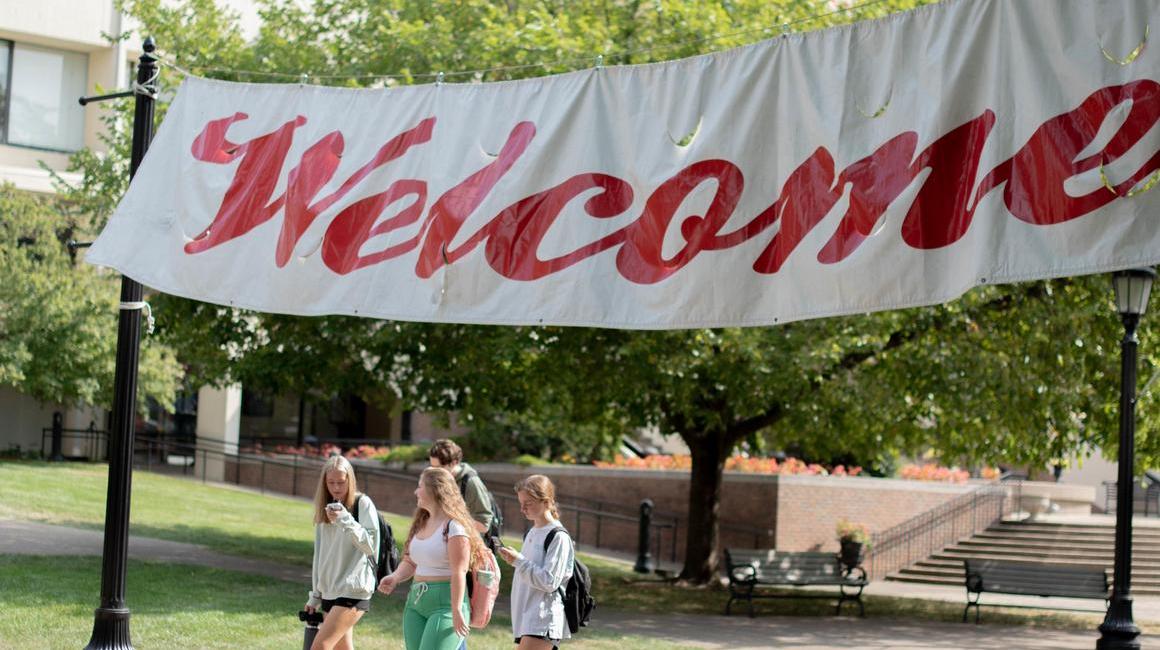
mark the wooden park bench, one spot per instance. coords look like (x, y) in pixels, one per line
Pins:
(749, 571)
(1031, 579)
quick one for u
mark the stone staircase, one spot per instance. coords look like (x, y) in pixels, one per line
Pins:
(1063, 540)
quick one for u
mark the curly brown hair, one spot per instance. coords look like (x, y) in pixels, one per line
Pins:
(441, 485)
(446, 451)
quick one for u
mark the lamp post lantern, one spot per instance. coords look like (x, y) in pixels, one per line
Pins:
(1119, 631)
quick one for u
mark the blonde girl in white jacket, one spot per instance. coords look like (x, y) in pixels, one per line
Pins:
(343, 575)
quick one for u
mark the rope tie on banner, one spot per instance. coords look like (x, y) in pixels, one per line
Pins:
(443, 278)
(149, 88)
(128, 306)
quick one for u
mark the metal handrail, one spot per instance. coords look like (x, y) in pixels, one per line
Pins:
(91, 435)
(922, 535)
(662, 523)
(151, 448)
(1147, 490)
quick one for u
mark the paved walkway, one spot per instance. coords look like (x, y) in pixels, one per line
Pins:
(813, 633)
(32, 538)
(715, 632)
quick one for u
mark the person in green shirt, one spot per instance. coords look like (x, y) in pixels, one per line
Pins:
(448, 455)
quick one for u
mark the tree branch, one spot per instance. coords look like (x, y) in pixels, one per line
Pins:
(851, 360)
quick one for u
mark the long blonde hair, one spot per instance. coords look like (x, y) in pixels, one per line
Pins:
(322, 495)
(441, 485)
(540, 488)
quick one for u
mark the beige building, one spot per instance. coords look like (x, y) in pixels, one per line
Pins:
(52, 52)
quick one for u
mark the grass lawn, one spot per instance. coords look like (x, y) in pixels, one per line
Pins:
(49, 602)
(279, 529)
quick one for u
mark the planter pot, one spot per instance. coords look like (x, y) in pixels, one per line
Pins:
(852, 553)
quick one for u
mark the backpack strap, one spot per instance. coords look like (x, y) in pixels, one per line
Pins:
(548, 542)
(552, 535)
(465, 476)
(357, 509)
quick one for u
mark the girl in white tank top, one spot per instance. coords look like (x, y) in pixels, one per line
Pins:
(438, 554)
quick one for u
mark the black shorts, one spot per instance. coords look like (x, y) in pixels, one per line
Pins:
(555, 642)
(352, 603)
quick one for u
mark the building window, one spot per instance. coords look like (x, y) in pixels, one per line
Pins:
(257, 405)
(39, 88)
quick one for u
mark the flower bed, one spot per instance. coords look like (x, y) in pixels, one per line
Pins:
(734, 463)
(310, 451)
(913, 472)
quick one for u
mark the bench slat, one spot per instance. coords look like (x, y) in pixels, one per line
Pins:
(749, 572)
(1001, 576)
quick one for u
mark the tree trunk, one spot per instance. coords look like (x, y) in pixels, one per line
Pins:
(702, 534)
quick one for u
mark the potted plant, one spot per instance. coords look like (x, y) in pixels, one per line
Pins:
(855, 541)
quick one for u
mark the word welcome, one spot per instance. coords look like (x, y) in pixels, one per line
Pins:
(1032, 181)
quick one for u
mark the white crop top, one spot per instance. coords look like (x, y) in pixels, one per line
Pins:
(430, 555)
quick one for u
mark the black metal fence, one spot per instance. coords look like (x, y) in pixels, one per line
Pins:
(77, 444)
(588, 520)
(1146, 496)
(923, 535)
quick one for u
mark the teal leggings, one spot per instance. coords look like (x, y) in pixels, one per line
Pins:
(427, 622)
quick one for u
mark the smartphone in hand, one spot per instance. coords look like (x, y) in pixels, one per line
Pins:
(496, 542)
(334, 506)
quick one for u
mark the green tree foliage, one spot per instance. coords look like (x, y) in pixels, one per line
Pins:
(1023, 374)
(58, 317)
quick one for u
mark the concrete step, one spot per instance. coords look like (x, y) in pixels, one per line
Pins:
(1052, 543)
(957, 580)
(1137, 590)
(1085, 529)
(1051, 547)
(1077, 535)
(1047, 555)
(1142, 572)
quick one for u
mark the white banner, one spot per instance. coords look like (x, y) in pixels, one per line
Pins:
(885, 164)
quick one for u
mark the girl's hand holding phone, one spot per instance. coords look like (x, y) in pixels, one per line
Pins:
(507, 554)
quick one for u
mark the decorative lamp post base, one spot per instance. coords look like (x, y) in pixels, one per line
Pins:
(110, 630)
(1118, 632)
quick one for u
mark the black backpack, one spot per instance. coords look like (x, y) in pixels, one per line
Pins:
(496, 527)
(577, 592)
(388, 559)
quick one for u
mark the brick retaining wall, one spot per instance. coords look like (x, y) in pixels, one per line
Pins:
(792, 513)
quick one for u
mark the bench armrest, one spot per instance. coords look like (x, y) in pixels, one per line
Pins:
(974, 583)
(743, 572)
(854, 575)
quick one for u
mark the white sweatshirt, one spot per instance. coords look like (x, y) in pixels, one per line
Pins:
(342, 555)
(537, 604)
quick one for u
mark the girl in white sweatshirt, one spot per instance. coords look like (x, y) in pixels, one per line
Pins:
(346, 537)
(538, 621)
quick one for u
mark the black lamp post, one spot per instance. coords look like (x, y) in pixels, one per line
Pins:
(1119, 631)
(111, 619)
